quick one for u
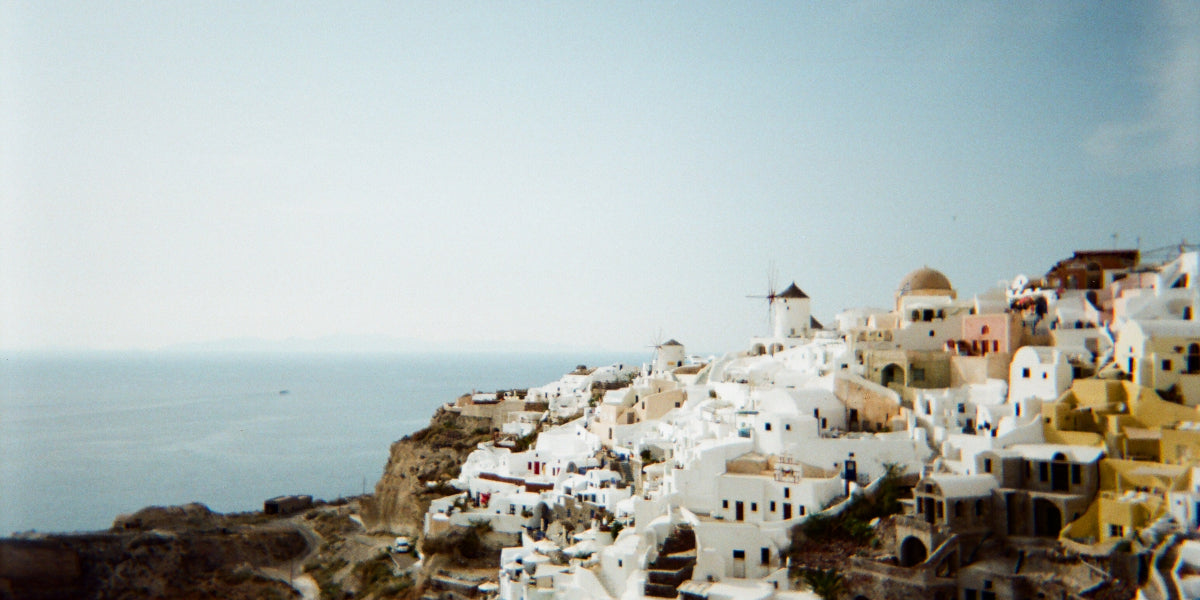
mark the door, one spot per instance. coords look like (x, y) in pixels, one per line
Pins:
(787, 511)
(739, 511)
(739, 563)
(1058, 476)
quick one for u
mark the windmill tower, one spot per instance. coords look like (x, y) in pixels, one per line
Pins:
(788, 312)
(791, 315)
(668, 355)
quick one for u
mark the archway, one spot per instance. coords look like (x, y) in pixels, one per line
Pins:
(912, 552)
(544, 515)
(893, 373)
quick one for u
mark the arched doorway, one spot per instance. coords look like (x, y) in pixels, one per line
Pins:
(892, 373)
(912, 552)
(1047, 518)
(544, 515)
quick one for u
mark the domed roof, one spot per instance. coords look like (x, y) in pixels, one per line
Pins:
(922, 280)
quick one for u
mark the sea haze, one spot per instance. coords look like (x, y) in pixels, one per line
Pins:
(85, 437)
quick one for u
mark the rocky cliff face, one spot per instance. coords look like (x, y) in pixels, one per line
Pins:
(417, 468)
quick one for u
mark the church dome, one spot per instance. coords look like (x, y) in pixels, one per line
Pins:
(923, 280)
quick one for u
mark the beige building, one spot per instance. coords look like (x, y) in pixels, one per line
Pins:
(1163, 355)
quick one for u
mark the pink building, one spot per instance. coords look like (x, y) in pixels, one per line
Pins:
(986, 334)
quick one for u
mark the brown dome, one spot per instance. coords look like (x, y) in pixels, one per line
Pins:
(923, 280)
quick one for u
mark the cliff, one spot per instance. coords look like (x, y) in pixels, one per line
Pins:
(418, 467)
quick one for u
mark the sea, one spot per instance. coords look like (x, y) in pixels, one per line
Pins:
(86, 437)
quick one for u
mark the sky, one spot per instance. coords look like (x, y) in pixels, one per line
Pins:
(566, 174)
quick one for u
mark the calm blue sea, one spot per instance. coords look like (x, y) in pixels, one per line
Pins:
(86, 437)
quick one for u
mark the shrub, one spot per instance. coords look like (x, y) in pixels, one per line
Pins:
(826, 583)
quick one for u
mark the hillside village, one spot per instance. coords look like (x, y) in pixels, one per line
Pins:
(1036, 441)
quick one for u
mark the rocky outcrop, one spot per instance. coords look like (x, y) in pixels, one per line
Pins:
(418, 467)
(158, 552)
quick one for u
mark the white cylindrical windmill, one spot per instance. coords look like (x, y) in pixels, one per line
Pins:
(668, 355)
(790, 313)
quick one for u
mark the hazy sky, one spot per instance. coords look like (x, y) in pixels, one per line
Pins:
(587, 174)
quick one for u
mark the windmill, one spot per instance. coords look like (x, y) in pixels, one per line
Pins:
(667, 355)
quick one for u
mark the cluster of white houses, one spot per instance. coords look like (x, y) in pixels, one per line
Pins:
(1049, 427)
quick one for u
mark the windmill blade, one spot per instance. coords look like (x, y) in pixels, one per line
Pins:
(772, 275)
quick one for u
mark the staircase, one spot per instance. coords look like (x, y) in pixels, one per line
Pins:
(676, 560)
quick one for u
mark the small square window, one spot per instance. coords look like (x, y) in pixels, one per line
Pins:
(1166, 364)
(753, 507)
(1025, 373)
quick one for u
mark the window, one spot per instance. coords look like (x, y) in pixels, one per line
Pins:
(787, 426)
(739, 554)
(987, 465)
(962, 408)
(787, 492)
(984, 330)
(753, 507)
(1076, 474)
(918, 374)
(1116, 531)
(772, 506)
(766, 426)
(802, 510)
(1043, 471)
(764, 556)
(1166, 364)
(931, 333)
(1045, 375)
(1025, 373)
(724, 504)
(969, 594)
